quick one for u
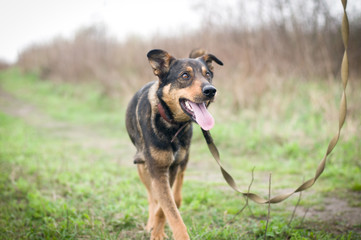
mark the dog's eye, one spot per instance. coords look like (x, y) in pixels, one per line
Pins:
(208, 75)
(185, 76)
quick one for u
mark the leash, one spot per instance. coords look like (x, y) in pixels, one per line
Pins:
(342, 116)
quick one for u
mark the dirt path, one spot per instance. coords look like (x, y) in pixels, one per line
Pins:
(336, 215)
(333, 215)
(83, 135)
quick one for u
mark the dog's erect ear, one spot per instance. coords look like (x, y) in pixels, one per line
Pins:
(160, 61)
(209, 58)
(198, 52)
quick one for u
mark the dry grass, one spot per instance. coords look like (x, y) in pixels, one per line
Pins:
(3, 65)
(293, 40)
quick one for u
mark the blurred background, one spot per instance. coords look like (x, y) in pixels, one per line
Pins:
(107, 41)
(68, 69)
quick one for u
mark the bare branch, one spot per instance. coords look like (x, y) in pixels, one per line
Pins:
(246, 204)
(303, 218)
(248, 191)
(297, 204)
(269, 206)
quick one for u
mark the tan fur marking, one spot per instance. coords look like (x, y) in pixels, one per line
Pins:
(152, 94)
(153, 99)
(162, 157)
(189, 69)
(138, 123)
(180, 155)
(172, 96)
(204, 71)
(177, 188)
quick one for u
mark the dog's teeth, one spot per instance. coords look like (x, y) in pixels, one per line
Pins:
(188, 105)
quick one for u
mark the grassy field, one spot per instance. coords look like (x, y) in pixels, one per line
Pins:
(66, 167)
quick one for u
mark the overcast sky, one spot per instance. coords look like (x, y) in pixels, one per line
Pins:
(23, 22)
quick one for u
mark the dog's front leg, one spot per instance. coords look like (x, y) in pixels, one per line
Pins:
(163, 193)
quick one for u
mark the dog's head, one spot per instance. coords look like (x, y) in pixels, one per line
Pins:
(186, 85)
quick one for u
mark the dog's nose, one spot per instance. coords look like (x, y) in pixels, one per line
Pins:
(209, 91)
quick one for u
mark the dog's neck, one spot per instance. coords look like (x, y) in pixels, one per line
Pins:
(162, 113)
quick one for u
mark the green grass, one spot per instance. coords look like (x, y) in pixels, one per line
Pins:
(77, 182)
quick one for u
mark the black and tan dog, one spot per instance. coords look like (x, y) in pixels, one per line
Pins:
(158, 123)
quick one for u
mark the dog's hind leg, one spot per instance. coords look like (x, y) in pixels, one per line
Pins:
(177, 188)
(182, 160)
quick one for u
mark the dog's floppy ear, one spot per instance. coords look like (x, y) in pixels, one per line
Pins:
(209, 58)
(160, 61)
(198, 52)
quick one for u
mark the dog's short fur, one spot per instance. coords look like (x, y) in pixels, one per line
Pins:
(157, 121)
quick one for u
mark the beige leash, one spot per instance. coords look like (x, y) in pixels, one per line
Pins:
(342, 116)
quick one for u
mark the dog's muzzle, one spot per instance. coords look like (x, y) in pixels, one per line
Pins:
(209, 91)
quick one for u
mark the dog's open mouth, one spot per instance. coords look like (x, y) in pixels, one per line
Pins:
(199, 113)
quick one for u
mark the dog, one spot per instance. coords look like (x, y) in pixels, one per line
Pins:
(158, 121)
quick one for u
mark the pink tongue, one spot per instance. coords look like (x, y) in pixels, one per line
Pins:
(203, 117)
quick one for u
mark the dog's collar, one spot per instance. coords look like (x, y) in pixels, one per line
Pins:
(162, 113)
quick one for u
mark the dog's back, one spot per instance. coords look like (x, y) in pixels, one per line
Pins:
(138, 108)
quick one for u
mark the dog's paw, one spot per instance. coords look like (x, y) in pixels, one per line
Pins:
(149, 227)
(158, 236)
